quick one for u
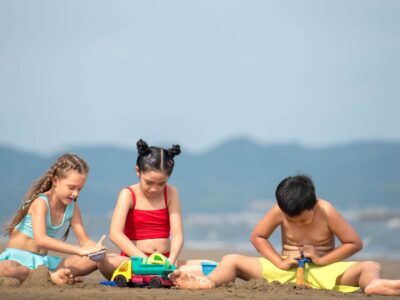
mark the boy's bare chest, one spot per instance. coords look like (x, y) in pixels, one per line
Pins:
(312, 234)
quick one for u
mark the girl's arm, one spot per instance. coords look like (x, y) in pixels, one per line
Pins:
(81, 235)
(175, 219)
(38, 211)
(350, 241)
(117, 236)
(263, 230)
(78, 228)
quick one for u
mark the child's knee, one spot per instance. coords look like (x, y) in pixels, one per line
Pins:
(231, 258)
(10, 265)
(110, 263)
(11, 268)
(371, 266)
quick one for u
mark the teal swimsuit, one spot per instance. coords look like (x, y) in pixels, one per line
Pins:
(34, 260)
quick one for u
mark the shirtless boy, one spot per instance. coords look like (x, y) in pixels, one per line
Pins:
(309, 226)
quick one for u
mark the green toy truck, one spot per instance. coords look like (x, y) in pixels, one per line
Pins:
(152, 271)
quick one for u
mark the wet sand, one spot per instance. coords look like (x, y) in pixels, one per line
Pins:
(37, 286)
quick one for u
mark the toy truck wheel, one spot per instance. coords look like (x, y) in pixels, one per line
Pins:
(155, 283)
(120, 281)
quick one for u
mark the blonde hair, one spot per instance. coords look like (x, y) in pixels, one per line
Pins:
(60, 168)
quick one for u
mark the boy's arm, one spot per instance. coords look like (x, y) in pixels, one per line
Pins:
(263, 230)
(350, 241)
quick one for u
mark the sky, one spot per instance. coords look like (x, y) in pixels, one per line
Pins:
(198, 73)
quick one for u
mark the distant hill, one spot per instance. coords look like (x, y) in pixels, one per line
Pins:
(226, 178)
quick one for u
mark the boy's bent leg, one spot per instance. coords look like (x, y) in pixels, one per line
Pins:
(367, 275)
(231, 267)
(360, 274)
(234, 266)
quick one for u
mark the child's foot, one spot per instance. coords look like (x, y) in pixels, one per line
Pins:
(64, 276)
(383, 287)
(9, 281)
(185, 281)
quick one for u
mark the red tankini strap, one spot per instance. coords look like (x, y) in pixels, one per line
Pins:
(133, 196)
(166, 196)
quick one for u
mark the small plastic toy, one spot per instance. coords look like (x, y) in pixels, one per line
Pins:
(300, 269)
(138, 272)
(97, 256)
(107, 283)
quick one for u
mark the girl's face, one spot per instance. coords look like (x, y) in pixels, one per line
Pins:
(68, 188)
(152, 183)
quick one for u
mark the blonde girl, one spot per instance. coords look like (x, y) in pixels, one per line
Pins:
(48, 205)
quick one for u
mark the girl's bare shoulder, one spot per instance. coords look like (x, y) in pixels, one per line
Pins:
(37, 203)
(125, 195)
(134, 187)
(172, 189)
(173, 194)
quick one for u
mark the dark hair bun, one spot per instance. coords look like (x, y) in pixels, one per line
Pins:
(175, 150)
(142, 147)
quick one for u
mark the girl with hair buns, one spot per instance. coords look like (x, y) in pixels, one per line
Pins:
(147, 217)
(48, 205)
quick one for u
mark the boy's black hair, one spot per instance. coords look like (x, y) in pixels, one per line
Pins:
(296, 194)
(155, 158)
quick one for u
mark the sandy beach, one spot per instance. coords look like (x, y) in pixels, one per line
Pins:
(37, 287)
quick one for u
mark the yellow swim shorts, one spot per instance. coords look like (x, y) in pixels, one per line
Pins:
(318, 277)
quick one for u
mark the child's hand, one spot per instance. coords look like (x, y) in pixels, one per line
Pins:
(288, 262)
(294, 255)
(84, 251)
(100, 243)
(309, 251)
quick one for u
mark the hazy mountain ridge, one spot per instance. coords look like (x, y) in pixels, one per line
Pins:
(226, 178)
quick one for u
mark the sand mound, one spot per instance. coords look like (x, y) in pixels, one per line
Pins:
(38, 278)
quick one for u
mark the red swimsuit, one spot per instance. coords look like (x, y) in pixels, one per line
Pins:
(147, 224)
